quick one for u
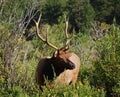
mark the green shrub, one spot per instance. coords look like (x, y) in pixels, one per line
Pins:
(107, 70)
(77, 90)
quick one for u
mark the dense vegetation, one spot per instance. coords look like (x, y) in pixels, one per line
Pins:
(95, 24)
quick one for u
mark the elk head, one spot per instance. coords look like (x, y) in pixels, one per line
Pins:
(60, 61)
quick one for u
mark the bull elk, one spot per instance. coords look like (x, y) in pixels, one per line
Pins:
(63, 64)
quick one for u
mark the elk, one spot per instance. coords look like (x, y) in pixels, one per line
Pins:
(63, 64)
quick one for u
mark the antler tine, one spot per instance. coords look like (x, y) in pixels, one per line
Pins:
(66, 32)
(66, 27)
(40, 37)
(66, 46)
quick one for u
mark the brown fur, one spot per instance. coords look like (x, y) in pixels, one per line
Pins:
(63, 64)
(69, 76)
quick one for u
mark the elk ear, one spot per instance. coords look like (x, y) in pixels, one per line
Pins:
(56, 53)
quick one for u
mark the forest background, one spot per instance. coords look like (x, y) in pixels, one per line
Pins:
(96, 28)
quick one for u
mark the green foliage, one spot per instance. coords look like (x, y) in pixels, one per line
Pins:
(107, 70)
(81, 14)
(78, 90)
(11, 9)
(106, 10)
(52, 9)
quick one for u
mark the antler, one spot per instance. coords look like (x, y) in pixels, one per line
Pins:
(40, 37)
(66, 46)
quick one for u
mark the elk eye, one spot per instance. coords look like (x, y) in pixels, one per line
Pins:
(73, 66)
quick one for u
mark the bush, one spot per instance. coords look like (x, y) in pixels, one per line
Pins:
(79, 90)
(107, 70)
